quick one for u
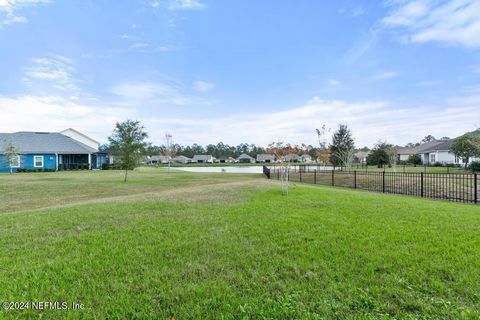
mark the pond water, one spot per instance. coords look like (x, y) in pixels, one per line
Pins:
(243, 169)
(252, 169)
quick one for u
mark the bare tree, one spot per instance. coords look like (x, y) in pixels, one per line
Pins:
(169, 148)
(281, 150)
(392, 152)
(345, 157)
(11, 155)
(323, 152)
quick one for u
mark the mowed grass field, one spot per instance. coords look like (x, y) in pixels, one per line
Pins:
(229, 246)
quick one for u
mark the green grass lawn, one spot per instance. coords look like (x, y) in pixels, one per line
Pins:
(213, 246)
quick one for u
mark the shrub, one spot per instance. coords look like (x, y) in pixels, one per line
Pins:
(438, 164)
(414, 159)
(474, 166)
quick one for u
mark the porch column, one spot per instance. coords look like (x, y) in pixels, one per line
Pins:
(56, 164)
(89, 161)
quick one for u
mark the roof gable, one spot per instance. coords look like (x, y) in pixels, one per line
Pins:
(44, 142)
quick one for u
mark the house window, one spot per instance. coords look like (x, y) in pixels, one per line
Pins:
(38, 161)
(15, 162)
(432, 158)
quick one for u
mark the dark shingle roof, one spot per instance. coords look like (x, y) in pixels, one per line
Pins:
(202, 157)
(474, 133)
(439, 145)
(44, 142)
(244, 156)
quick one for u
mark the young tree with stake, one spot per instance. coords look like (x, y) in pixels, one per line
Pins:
(128, 142)
(10, 153)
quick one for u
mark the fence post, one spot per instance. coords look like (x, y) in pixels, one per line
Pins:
(355, 179)
(383, 181)
(300, 172)
(421, 184)
(333, 178)
(315, 177)
(475, 187)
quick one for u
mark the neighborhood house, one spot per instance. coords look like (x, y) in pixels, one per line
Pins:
(203, 158)
(158, 159)
(245, 158)
(225, 159)
(66, 150)
(182, 159)
(266, 158)
(434, 152)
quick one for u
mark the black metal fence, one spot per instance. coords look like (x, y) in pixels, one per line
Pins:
(453, 187)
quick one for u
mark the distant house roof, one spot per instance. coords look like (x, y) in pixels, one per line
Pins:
(245, 156)
(45, 142)
(291, 156)
(181, 158)
(305, 156)
(265, 157)
(202, 157)
(225, 158)
(474, 133)
(159, 158)
(439, 145)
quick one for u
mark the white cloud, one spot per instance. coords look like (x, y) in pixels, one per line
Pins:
(369, 120)
(53, 113)
(145, 47)
(385, 75)
(56, 70)
(186, 5)
(429, 83)
(453, 22)
(353, 12)
(334, 82)
(11, 7)
(203, 86)
(137, 92)
(361, 46)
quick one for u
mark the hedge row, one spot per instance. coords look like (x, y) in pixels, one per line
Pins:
(35, 170)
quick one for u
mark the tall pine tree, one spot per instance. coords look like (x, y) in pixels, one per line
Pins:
(342, 141)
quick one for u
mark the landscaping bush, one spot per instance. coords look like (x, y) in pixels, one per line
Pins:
(474, 166)
(414, 159)
(25, 170)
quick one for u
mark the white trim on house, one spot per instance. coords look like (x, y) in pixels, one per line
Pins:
(35, 161)
(18, 163)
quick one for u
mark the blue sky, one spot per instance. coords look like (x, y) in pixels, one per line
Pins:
(242, 71)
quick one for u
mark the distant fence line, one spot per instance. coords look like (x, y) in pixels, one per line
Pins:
(459, 187)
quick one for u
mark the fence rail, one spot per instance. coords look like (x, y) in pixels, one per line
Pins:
(462, 187)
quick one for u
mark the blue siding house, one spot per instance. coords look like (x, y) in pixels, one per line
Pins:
(66, 150)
